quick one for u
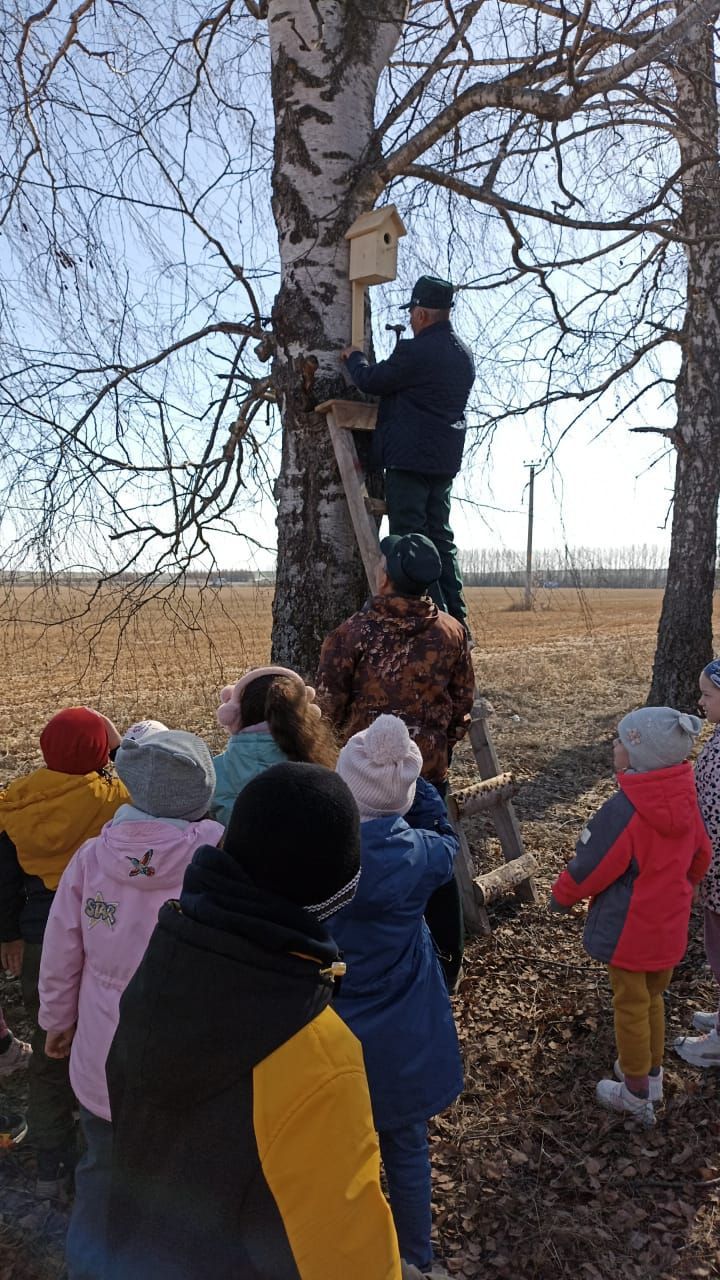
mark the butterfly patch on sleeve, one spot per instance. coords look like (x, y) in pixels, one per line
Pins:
(141, 866)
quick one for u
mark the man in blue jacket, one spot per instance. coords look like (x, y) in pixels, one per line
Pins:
(424, 388)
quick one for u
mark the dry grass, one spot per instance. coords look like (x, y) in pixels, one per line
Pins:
(531, 1180)
(169, 659)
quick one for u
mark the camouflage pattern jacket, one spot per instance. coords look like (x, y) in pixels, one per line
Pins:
(400, 656)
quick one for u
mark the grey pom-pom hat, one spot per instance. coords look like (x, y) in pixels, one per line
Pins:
(658, 737)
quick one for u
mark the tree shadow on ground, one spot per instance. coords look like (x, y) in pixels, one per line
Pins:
(566, 776)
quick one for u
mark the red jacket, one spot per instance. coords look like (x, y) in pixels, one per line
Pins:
(638, 860)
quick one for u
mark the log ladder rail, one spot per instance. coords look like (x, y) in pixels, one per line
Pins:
(492, 794)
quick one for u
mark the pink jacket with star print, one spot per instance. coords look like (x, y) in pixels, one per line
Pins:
(105, 908)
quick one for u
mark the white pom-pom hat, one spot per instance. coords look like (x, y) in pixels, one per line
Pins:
(228, 713)
(137, 731)
(381, 765)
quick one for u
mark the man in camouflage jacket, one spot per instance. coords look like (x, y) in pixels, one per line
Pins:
(402, 656)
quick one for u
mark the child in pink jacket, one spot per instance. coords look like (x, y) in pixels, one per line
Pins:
(104, 911)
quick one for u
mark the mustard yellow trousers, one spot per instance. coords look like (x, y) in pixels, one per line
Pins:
(639, 1018)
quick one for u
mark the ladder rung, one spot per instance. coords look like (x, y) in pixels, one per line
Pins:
(375, 506)
(351, 415)
(494, 884)
(485, 795)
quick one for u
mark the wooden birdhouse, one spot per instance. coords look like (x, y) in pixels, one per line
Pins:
(374, 245)
(373, 257)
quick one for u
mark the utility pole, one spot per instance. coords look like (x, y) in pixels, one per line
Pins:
(528, 558)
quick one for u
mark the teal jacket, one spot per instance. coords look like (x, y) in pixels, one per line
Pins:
(248, 753)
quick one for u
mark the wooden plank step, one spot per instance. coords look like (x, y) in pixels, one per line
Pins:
(375, 506)
(484, 795)
(350, 415)
(495, 884)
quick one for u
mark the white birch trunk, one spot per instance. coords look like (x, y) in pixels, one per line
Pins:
(685, 630)
(326, 61)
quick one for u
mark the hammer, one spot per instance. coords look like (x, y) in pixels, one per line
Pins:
(397, 329)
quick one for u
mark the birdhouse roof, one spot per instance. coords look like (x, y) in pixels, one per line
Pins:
(386, 216)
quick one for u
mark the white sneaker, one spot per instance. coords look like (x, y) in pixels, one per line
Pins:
(615, 1096)
(656, 1082)
(699, 1051)
(705, 1021)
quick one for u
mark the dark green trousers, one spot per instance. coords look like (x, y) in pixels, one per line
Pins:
(51, 1125)
(419, 503)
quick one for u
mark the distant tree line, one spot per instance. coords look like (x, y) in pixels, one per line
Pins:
(640, 565)
(635, 566)
(192, 578)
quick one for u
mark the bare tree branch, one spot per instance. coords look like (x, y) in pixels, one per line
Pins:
(512, 92)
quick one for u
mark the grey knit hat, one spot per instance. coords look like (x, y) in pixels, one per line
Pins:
(658, 737)
(169, 774)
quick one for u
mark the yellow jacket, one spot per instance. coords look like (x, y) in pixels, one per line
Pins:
(257, 1160)
(48, 815)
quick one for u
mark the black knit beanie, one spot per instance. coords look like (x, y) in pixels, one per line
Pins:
(295, 831)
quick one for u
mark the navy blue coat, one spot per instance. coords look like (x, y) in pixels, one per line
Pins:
(394, 996)
(424, 388)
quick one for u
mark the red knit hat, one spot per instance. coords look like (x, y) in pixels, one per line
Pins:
(75, 741)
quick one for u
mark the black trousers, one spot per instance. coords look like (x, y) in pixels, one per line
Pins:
(51, 1100)
(444, 919)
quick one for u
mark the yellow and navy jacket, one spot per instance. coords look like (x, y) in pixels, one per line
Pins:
(244, 1146)
(44, 818)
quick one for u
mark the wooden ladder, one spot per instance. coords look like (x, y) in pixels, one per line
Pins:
(492, 794)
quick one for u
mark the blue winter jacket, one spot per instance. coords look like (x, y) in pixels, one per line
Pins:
(247, 754)
(394, 996)
(424, 388)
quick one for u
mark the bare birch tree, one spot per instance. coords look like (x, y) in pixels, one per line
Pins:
(685, 633)
(175, 193)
